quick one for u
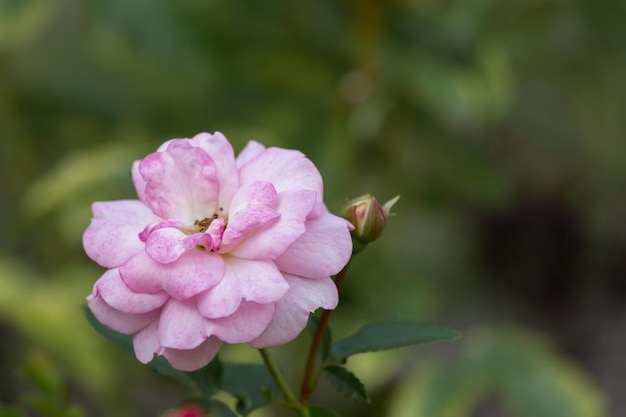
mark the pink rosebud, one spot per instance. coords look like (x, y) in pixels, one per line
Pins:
(217, 249)
(368, 218)
(187, 410)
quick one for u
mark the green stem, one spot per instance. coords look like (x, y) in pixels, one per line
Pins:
(309, 379)
(288, 395)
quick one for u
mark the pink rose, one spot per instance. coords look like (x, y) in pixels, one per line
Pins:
(217, 249)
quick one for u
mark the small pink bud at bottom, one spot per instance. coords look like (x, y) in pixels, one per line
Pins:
(187, 410)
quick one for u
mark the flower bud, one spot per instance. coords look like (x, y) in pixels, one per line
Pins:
(187, 410)
(368, 218)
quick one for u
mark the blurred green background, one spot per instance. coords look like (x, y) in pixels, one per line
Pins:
(501, 124)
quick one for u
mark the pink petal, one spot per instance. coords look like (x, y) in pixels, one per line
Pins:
(292, 312)
(181, 326)
(167, 143)
(142, 274)
(193, 359)
(214, 234)
(272, 240)
(258, 281)
(145, 233)
(323, 250)
(117, 320)
(146, 343)
(251, 151)
(221, 151)
(287, 170)
(245, 324)
(117, 295)
(255, 193)
(112, 238)
(182, 182)
(140, 183)
(194, 272)
(244, 223)
(168, 244)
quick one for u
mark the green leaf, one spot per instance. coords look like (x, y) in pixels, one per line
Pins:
(250, 384)
(211, 407)
(390, 335)
(205, 379)
(318, 411)
(346, 383)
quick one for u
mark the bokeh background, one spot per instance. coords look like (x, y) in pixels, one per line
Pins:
(502, 125)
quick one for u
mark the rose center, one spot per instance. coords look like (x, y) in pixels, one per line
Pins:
(203, 225)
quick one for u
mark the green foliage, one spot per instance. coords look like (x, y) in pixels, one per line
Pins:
(474, 111)
(51, 395)
(212, 407)
(389, 335)
(346, 383)
(520, 371)
(11, 412)
(249, 384)
(317, 411)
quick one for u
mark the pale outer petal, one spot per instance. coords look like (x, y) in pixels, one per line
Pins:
(271, 241)
(292, 312)
(146, 344)
(246, 324)
(140, 183)
(323, 250)
(258, 281)
(142, 274)
(193, 359)
(181, 326)
(116, 320)
(112, 238)
(117, 295)
(194, 272)
(182, 182)
(220, 149)
(249, 152)
(286, 170)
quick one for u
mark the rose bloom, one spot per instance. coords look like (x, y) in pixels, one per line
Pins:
(217, 249)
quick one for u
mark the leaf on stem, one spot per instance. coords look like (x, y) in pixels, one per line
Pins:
(250, 384)
(318, 411)
(206, 379)
(389, 335)
(346, 383)
(212, 407)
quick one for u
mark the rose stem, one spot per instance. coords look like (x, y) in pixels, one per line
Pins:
(309, 379)
(303, 411)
